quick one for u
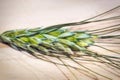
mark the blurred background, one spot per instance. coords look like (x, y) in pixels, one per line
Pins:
(17, 14)
(37, 13)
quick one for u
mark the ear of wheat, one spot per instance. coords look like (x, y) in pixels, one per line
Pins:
(58, 41)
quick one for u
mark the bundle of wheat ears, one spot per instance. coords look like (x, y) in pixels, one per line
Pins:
(61, 42)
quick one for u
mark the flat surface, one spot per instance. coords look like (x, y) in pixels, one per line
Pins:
(17, 14)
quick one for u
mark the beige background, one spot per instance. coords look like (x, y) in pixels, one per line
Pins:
(36, 13)
(16, 14)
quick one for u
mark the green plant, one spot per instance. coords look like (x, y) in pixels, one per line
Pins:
(60, 42)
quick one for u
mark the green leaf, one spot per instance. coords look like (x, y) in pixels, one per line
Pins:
(71, 44)
(82, 35)
(82, 43)
(71, 38)
(63, 48)
(57, 32)
(24, 39)
(40, 48)
(52, 38)
(85, 42)
(39, 36)
(66, 34)
(34, 40)
(5, 39)
(89, 41)
(35, 29)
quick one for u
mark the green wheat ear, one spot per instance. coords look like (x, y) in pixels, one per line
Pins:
(60, 42)
(48, 40)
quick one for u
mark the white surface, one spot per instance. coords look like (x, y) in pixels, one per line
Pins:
(15, 14)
